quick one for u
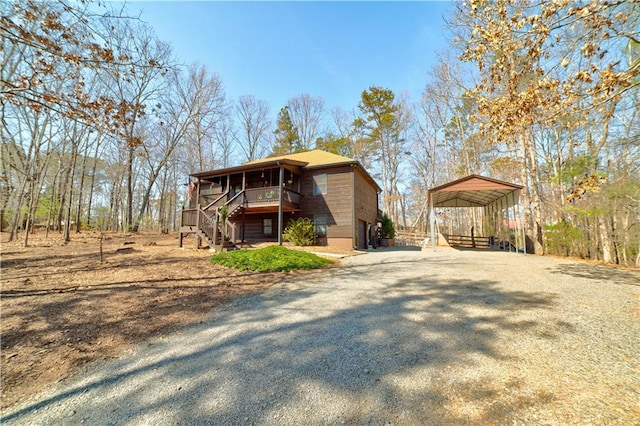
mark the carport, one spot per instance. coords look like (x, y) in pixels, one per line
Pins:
(498, 199)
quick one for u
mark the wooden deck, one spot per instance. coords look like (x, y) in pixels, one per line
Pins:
(256, 200)
(207, 223)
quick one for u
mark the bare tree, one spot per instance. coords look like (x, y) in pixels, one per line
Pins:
(138, 91)
(306, 115)
(182, 105)
(205, 93)
(224, 137)
(349, 138)
(253, 120)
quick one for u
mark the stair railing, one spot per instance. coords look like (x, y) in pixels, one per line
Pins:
(231, 231)
(235, 203)
(217, 202)
(207, 225)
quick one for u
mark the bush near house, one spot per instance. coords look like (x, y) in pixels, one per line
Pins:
(270, 259)
(300, 232)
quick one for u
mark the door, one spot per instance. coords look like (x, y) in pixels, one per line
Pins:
(362, 235)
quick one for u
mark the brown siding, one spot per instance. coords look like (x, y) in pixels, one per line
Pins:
(337, 203)
(366, 205)
(344, 243)
(366, 199)
(253, 230)
(253, 227)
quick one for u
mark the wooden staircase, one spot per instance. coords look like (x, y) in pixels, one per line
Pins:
(212, 227)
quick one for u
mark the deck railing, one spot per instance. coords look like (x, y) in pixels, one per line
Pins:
(189, 217)
(291, 196)
(262, 195)
(271, 194)
(207, 223)
(200, 219)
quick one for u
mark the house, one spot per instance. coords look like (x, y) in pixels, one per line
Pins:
(255, 201)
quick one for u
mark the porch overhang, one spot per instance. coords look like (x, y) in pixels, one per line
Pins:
(270, 208)
(292, 165)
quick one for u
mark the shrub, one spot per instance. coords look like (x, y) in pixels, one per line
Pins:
(562, 238)
(300, 232)
(268, 259)
(223, 220)
(388, 231)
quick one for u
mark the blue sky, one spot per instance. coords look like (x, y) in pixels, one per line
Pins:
(277, 50)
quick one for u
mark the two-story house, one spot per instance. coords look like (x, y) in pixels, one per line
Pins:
(255, 201)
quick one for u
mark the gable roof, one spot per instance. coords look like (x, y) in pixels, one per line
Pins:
(316, 158)
(472, 191)
(313, 158)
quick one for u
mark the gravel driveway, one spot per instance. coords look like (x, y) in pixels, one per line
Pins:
(393, 336)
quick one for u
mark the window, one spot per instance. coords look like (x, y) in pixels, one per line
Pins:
(320, 221)
(320, 184)
(267, 226)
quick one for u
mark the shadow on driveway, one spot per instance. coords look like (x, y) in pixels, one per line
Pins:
(291, 356)
(599, 273)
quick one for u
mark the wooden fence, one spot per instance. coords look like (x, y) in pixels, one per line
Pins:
(412, 239)
(468, 241)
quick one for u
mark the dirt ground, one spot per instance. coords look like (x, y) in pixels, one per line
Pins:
(62, 306)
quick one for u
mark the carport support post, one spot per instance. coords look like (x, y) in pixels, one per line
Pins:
(515, 221)
(280, 185)
(524, 235)
(432, 223)
(508, 224)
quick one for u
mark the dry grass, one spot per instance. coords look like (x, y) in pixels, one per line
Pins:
(62, 307)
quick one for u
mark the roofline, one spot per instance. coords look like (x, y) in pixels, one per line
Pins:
(325, 165)
(301, 164)
(457, 181)
(367, 175)
(247, 167)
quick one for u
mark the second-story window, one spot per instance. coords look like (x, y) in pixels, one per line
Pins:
(320, 184)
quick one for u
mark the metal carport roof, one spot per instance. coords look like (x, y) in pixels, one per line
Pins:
(473, 191)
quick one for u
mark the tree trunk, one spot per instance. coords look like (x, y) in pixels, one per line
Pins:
(63, 198)
(29, 215)
(526, 197)
(605, 240)
(145, 201)
(92, 183)
(538, 212)
(129, 218)
(69, 190)
(16, 217)
(83, 173)
(52, 201)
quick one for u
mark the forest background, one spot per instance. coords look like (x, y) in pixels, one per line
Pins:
(102, 124)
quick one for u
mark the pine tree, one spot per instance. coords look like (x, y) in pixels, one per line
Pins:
(287, 140)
